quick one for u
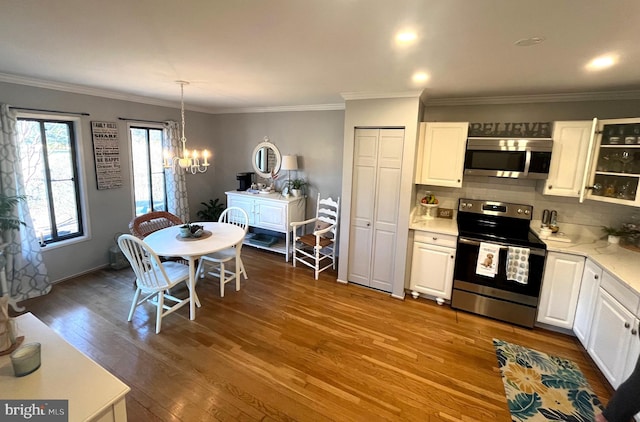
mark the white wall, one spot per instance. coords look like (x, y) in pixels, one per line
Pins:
(316, 137)
(394, 112)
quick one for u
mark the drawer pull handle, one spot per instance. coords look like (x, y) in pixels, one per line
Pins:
(435, 238)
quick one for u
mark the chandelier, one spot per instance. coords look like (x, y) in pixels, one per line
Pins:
(190, 160)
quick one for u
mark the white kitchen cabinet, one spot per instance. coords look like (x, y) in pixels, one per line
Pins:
(589, 287)
(375, 201)
(615, 168)
(568, 158)
(614, 333)
(272, 212)
(432, 265)
(441, 149)
(560, 289)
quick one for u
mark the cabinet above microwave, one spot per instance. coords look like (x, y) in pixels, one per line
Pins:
(511, 158)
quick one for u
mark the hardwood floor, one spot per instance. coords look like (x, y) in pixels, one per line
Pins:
(287, 347)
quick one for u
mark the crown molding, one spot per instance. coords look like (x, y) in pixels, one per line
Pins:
(276, 109)
(378, 95)
(85, 90)
(81, 89)
(536, 98)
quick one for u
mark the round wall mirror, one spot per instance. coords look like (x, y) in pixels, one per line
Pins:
(265, 159)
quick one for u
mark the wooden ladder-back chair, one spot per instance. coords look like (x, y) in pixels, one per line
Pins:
(318, 249)
(154, 278)
(208, 263)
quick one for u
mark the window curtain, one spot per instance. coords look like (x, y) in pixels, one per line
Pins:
(26, 273)
(175, 178)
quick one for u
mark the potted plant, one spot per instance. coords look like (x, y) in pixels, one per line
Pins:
(211, 211)
(296, 186)
(613, 234)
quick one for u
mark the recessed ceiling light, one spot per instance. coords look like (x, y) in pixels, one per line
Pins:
(602, 62)
(420, 77)
(528, 42)
(406, 37)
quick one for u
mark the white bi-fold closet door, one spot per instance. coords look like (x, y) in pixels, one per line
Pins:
(377, 167)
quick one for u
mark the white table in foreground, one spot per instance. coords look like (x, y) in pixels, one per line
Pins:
(166, 242)
(65, 373)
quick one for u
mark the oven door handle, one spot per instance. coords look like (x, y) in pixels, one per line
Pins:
(532, 251)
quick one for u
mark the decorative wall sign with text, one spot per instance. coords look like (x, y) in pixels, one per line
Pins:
(106, 154)
(522, 130)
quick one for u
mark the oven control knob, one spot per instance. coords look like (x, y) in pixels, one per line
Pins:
(526, 212)
(519, 211)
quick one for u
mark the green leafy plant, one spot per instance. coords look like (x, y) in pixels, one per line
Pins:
(212, 210)
(296, 183)
(614, 231)
(7, 203)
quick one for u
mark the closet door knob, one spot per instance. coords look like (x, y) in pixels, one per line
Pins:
(627, 325)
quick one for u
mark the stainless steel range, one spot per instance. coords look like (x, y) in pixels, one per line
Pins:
(499, 261)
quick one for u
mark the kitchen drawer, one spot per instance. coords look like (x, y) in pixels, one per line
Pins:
(434, 238)
(623, 294)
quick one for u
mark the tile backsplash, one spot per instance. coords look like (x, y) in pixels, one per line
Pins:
(524, 191)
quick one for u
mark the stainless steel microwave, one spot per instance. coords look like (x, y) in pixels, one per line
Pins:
(513, 158)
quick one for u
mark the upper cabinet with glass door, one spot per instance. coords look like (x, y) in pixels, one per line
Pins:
(615, 168)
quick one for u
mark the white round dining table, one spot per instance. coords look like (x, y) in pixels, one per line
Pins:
(167, 242)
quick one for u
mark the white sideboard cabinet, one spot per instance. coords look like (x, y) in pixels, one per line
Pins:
(92, 392)
(272, 212)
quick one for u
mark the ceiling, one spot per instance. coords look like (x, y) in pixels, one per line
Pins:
(278, 54)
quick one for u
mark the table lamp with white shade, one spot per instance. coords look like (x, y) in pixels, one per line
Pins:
(289, 162)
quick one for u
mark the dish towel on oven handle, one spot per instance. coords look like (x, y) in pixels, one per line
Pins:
(518, 264)
(488, 259)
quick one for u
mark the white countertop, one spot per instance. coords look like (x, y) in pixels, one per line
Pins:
(622, 263)
(437, 225)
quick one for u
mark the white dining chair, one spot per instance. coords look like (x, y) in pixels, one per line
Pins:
(154, 278)
(214, 264)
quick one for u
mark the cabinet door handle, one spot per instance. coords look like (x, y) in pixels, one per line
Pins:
(627, 325)
(596, 276)
(634, 331)
(452, 257)
(368, 224)
(550, 187)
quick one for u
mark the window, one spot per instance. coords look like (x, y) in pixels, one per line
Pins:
(149, 193)
(47, 149)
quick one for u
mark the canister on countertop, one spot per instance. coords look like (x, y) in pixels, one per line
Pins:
(553, 221)
(546, 217)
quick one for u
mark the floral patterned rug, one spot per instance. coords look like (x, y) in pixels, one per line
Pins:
(540, 387)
